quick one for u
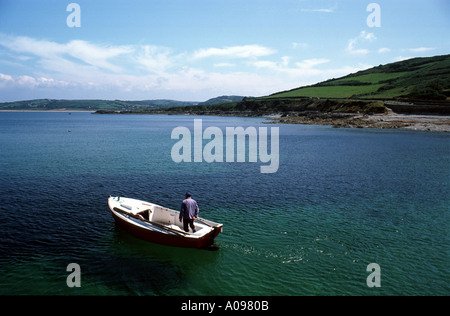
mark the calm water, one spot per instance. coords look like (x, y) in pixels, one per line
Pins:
(341, 199)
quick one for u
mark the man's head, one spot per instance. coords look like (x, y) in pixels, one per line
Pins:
(188, 195)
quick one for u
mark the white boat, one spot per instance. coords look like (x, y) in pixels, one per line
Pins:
(154, 223)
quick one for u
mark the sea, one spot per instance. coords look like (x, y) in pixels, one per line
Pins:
(349, 212)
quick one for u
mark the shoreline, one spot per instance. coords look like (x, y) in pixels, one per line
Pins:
(390, 120)
(415, 122)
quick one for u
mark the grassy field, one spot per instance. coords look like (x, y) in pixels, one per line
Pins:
(417, 78)
(340, 91)
(371, 78)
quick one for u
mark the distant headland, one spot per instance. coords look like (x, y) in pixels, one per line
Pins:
(413, 93)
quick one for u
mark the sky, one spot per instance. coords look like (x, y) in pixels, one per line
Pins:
(194, 50)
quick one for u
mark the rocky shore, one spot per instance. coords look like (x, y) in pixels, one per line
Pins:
(433, 123)
(419, 122)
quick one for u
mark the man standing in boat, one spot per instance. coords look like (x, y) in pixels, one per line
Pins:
(189, 212)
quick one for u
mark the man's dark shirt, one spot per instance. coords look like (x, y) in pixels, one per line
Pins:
(189, 209)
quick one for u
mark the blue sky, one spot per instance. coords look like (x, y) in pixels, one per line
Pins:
(198, 49)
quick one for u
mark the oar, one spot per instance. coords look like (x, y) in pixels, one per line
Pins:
(202, 221)
(207, 223)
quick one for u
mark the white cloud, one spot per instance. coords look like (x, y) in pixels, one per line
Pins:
(139, 69)
(352, 50)
(302, 45)
(155, 59)
(25, 81)
(81, 69)
(266, 64)
(223, 65)
(60, 57)
(384, 50)
(322, 10)
(5, 78)
(310, 63)
(283, 65)
(421, 49)
(285, 60)
(367, 36)
(303, 72)
(354, 42)
(96, 55)
(417, 51)
(245, 51)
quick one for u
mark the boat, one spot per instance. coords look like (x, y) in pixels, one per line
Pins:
(161, 225)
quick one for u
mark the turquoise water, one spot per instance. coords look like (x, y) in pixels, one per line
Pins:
(340, 200)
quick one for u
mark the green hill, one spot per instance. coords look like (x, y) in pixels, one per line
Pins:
(412, 79)
(91, 105)
(223, 99)
(418, 85)
(108, 105)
